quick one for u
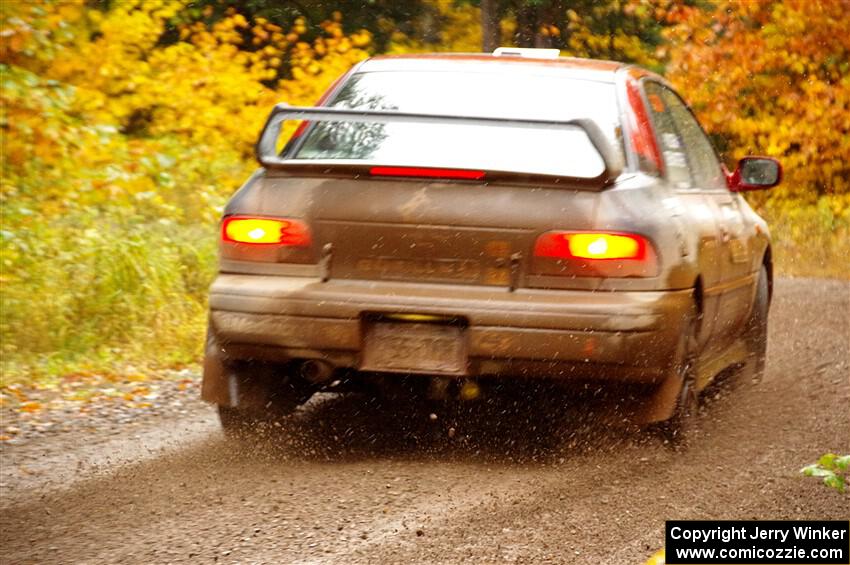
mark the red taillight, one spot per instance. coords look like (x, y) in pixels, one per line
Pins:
(600, 254)
(265, 231)
(590, 245)
(426, 172)
(640, 128)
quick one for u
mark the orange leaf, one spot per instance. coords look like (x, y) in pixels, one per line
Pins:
(31, 406)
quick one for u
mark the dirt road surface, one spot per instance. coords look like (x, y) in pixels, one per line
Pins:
(350, 482)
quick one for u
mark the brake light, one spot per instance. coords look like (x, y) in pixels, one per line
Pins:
(570, 245)
(599, 254)
(427, 172)
(265, 231)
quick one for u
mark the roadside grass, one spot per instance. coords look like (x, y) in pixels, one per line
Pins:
(809, 240)
(104, 300)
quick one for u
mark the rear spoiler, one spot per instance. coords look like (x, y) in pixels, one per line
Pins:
(267, 155)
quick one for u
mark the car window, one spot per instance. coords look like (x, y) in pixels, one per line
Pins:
(567, 152)
(706, 169)
(671, 141)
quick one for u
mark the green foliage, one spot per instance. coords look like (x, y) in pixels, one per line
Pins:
(131, 293)
(833, 469)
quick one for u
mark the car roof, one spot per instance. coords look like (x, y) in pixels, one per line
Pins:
(589, 69)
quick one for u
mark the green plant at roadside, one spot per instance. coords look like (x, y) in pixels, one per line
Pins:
(809, 239)
(107, 243)
(834, 469)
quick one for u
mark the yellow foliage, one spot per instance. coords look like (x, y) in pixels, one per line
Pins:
(119, 150)
(773, 78)
(460, 32)
(764, 76)
(205, 88)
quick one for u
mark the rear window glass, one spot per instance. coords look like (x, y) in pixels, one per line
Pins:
(566, 152)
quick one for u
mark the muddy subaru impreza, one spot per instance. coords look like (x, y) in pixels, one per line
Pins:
(451, 220)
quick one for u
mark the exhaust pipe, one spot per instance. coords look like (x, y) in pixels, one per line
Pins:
(316, 371)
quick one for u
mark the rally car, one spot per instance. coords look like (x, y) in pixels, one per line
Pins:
(452, 220)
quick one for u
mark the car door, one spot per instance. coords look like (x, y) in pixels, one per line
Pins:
(735, 243)
(692, 210)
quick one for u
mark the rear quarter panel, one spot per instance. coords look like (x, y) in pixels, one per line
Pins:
(644, 205)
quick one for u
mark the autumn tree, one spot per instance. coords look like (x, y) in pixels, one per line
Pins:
(417, 19)
(773, 77)
(624, 30)
(123, 130)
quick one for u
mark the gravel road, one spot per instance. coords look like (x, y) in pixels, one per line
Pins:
(349, 482)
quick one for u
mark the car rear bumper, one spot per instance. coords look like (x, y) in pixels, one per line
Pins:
(554, 333)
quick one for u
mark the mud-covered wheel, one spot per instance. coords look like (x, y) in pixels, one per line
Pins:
(679, 427)
(755, 332)
(265, 394)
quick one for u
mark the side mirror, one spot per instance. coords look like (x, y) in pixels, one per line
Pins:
(755, 173)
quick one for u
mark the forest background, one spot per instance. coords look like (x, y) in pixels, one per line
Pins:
(127, 123)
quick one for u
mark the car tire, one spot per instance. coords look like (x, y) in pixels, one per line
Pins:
(678, 429)
(755, 332)
(270, 397)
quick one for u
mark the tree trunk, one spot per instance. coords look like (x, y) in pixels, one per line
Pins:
(526, 26)
(549, 15)
(490, 31)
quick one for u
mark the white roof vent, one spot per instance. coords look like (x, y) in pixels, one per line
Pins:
(526, 52)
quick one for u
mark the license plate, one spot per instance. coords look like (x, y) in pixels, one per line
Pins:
(414, 348)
